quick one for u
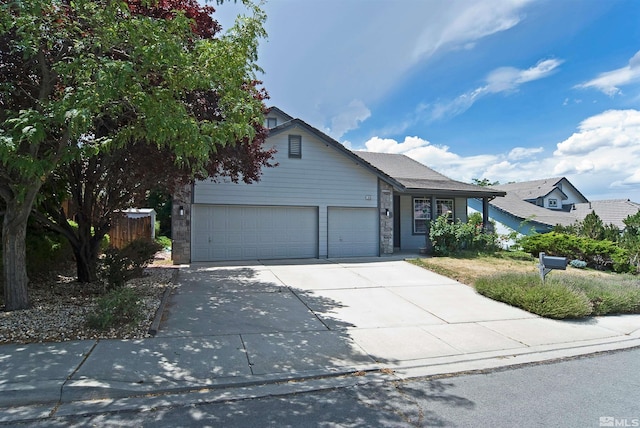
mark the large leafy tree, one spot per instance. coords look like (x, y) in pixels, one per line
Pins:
(84, 82)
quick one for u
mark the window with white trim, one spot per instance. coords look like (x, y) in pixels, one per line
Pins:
(272, 122)
(553, 203)
(295, 146)
(421, 214)
(444, 206)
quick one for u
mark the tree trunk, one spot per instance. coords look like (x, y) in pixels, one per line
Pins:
(14, 233)
(86, 253)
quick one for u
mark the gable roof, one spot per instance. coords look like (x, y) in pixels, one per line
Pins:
(400, 171)
(414, 176)
(612, 211)
(519, 208)
(531, 190)
(274, 109)
(330, 142)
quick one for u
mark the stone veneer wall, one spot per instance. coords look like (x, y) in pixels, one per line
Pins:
(181, 225)
(385, 199)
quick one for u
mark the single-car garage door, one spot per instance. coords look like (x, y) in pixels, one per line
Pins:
(233, 232)
(353, 232)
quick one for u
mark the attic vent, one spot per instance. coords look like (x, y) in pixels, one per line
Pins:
(295, 146)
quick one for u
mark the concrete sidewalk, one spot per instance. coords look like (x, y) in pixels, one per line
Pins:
(234, 329)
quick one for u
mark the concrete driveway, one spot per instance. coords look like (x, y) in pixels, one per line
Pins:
(313, 316)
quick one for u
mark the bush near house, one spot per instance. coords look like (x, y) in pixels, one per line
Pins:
(450, 237)
(121, 265)
(601, 255)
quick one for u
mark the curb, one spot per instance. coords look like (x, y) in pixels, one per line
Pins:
(155, 324)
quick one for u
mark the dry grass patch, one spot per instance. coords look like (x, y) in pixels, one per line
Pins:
(468, 268)
(573, 293)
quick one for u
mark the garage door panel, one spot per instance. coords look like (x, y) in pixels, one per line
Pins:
(353, 232)
(232, 232)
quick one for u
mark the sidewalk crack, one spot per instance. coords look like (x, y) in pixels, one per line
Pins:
(59, 403)
(246, 354)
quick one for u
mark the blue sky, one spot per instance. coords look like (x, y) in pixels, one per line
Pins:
(508, 90)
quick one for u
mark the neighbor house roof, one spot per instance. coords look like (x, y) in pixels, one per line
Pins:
(610, 211)
(531, 190)
(414, 176)
(515, 203)
(517, 207)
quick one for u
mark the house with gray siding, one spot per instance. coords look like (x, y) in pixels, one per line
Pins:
(537, 206)
(320, 201)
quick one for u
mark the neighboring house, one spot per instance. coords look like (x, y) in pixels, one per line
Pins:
(539, 205)
(322, 200)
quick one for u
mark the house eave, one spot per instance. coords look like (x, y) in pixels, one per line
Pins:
(456, 193)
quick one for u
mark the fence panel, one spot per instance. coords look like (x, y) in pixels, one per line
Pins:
(125, 229)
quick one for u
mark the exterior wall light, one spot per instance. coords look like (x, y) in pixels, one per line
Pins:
(181, 211)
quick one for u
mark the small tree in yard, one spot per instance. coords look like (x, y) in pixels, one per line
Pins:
(630, 239)
(94, 82)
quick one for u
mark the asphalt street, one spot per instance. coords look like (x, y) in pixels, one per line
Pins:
(591, 391)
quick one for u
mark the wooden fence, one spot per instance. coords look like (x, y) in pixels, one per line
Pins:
(125, 229)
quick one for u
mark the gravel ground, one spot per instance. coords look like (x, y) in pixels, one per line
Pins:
(60, 306)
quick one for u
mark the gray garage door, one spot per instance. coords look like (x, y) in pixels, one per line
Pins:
(232, 232)
(353, 232)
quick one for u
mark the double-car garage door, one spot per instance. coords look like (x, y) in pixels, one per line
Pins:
(235, 232)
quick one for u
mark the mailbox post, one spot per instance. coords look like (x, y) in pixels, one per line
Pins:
(548, 263)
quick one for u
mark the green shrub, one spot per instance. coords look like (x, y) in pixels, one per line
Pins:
(448, 238)
(526, 291)
(121, 265)
(443, 236)
(164, 241)
(602, 255)
(118, 307)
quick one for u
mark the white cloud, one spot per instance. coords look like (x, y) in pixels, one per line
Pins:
(612, 129)
(631, 180)
(609, 82)
(349, 118)
(518, 153)
(509, 78)
(460, 24)
(389, 145)
(320, 57)
(503, 79)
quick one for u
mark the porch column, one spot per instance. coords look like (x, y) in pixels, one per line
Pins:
(485, 214)
(385, 201)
